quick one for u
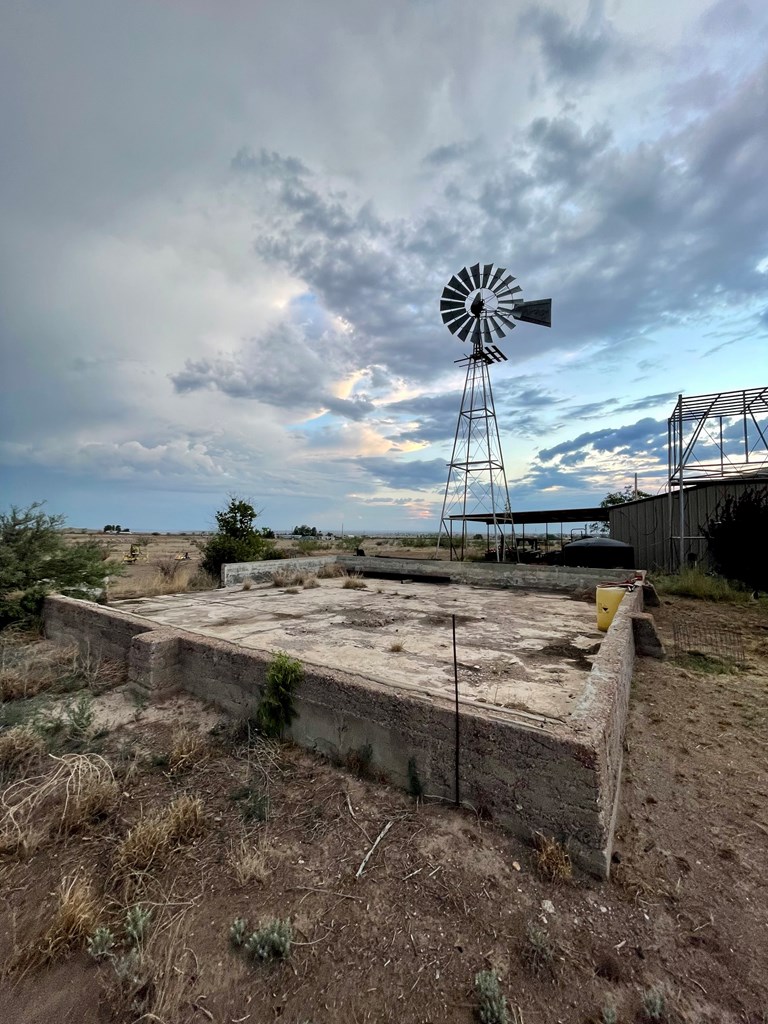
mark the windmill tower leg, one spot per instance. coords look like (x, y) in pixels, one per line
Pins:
(476, 490)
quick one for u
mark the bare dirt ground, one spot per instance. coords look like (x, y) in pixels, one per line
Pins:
(678, 934)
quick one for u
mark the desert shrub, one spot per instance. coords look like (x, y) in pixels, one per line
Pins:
(735, 538)
(237, 540)
(491, 1002)
(538, 951)
(354, 582)
(100, 944)
(271, 942)
(552, 859)
(35, 560)
(654, 1004)
(137, 922)
(238, 932)
(276, 710)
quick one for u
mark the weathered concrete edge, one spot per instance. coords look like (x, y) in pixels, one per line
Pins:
(479, 574)
(565, 783)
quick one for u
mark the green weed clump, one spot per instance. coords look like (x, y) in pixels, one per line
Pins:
(700, 585)
(276, 710)
(100, 944)
(137, 921)
(491, 1001)
(271, 942)
(654, 1005)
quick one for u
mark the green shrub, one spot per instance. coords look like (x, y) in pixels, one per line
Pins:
(492, 1004)
(35, 560)
(271, 942)
(100, 943)
(276, 710)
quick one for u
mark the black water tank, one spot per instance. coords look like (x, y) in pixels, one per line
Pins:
(599, 553)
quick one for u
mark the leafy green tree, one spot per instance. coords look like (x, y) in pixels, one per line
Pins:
(616, 498)
(736, 538)
(35, 560)
(237, 539)
(305, 531)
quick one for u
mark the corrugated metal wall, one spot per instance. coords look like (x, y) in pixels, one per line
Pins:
(645, 524)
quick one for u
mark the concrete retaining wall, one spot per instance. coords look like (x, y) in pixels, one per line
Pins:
(562, 779)
(478, 574)
(261, 572)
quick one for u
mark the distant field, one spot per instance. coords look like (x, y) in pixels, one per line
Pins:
(159, 572)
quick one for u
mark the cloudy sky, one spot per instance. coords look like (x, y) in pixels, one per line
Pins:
(227, 224)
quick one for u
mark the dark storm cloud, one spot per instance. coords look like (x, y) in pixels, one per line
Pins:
(647, 435)
(623, 238)
(442, 155)
(574, 52)
(403, 474)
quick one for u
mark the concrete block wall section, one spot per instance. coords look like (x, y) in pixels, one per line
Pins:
(488, 574)
(563, 780)
(262, 572)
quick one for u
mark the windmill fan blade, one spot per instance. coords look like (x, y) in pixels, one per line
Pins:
(502, 285)
(464, 275)
(486, 274)
(459, 286)
(475, 272)
(504, 317)
(539, 311)
(464, 332)
(451, 293)
(495, 327)
(497, 275)
(508, 293)
(452, 321)
(446, 304)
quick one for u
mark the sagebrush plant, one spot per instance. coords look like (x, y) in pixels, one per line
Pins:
(538, 951)
(238, 932)
(270, 942)
(276, 710)
(137, 922)
(100, 944)
(491, 1001)
(609, 1015)
(654, 1004)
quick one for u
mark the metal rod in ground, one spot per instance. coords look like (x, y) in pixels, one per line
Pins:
(456, 689)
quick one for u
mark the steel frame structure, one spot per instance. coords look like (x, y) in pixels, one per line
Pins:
(697, 455)
(477, 480)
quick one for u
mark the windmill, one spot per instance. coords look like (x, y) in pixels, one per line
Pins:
(479, 305)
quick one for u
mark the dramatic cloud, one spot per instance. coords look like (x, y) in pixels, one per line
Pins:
(226, 230)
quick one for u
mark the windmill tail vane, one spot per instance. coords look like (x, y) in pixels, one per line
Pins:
(480, 304)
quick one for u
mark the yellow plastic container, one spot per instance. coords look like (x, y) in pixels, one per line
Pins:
(608, 601)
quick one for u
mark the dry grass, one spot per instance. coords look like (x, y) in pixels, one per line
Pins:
(396, 647)
(353, 582)
(248, 861)
(311, 582)
(79, 789)
(29, 666)
(289, 578)
(19, 746)
(188, 750)
(552, 859)
(148, 844)
(75, 917)
(247, 585)
(331, 570)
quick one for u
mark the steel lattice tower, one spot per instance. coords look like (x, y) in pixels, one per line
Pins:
(477, 303)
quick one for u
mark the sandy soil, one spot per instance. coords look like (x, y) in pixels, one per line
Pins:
(443, 895)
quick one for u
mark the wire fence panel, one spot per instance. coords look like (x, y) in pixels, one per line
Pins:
(692, 638)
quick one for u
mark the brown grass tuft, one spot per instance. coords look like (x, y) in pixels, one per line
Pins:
(152, 838)
(97, 800)
(331, 570)
(188, 750)
(248, 861)
(288, 578)
(311, 582)
(75, 917)
(353, 582)
(552, 859)
(19, 746)
(396, 647)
